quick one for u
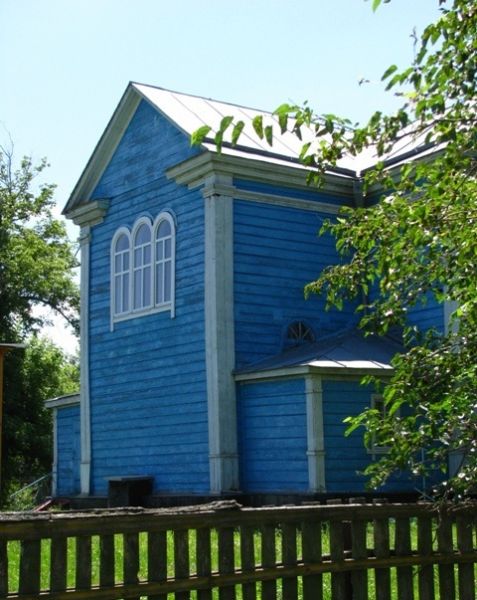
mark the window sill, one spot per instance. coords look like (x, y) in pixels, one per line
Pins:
(142, 313)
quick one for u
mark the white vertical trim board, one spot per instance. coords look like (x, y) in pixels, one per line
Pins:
(315, 434)
(219, 339)
(85, 410)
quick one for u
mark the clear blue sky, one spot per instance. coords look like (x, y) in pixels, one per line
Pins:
(65, 63)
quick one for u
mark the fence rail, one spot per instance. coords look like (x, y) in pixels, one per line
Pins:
(335, 552)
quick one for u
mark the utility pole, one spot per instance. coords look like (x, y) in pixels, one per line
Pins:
(4, 349)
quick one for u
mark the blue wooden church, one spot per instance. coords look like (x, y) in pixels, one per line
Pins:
(203, 368)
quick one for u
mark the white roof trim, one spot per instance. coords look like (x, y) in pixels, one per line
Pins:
(61, 401)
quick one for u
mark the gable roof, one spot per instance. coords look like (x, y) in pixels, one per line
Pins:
(188, 113)
(348, 352)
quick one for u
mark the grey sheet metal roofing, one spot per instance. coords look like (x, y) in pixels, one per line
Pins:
(347, 351)
(189, 113)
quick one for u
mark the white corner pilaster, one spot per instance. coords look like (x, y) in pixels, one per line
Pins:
(315, 434)
(85, 411)
(219, 336)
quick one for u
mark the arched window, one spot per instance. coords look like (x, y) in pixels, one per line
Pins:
(121, 274)
(164, 275)
(142, 263)
(143, 269)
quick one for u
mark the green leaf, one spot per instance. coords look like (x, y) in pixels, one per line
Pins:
(236, 131)
(283, 122)
(199, 135)
(225, 123)
(389, 71)
(376, 4)
(284, 109)
(258, 125)
(269, 134)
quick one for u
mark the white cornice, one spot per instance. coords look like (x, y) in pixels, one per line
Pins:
(89, 214)
(70, 400)
(303, 370)
(104, 149)
(193, 171)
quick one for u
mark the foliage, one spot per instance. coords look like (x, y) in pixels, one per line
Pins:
(41, 372)
(36, 258)
(36, 269)
(417, 245)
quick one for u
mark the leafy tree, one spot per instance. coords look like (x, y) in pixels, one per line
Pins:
(41, 372)
(36, 269)
(36, 258)
(417, 245)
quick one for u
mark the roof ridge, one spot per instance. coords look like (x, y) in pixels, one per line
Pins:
(163, 89)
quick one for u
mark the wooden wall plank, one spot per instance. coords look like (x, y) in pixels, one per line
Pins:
(203, 553)
(83, 562)
(311, 544)
(359, 579)
(289, 559)
(131, 558)
(382, 550)
(445, 546)
(157, 559)
(424, 548)
(269, 588)
(3, 568)
(106, 560)
(58, 563)
(403, 548)
(181, 559)
(30, 565)
(226, 560)
(465, 544)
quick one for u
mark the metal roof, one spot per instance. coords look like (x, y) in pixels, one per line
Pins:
(348, 351)
(189, 113)
(192, 112)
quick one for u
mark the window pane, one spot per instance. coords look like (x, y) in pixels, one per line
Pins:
(164, 229)
(125, 261)
(147, 254)
(167, 281)
(137, 289)
(126, 292)
(159, 250)
(118, 263)
(137, 258)
(117, 295)
(159, 283)
(167, 249)
(143, 235)
(147, 286)
(122, 243)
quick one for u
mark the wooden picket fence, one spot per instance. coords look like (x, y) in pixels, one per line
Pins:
(336, 552)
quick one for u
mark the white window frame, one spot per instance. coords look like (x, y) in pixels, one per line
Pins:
(119, 233)
(170, 304)
(154, 306)
(143, 308)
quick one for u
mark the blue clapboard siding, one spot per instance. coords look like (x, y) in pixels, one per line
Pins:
(147, 377)
(345, 457)
(276, 253)
(272, 436)
(312, 193)
(68, 450)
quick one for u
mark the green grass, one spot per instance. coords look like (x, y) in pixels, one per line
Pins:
(14, 553)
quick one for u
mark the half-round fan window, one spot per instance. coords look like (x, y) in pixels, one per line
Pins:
(299, 333)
